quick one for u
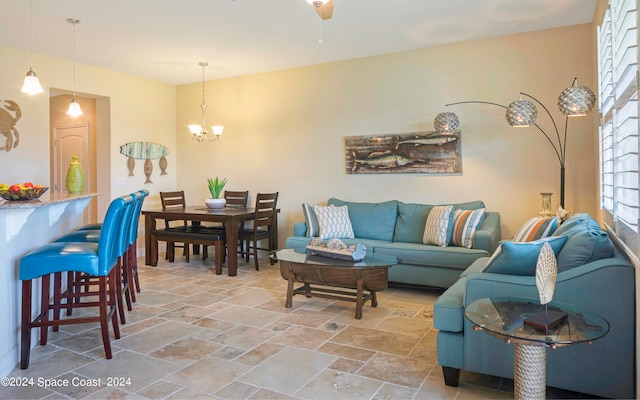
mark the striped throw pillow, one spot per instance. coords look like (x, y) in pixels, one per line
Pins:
(311, 220)
(465, 224)
(437, 225)
(536, 228)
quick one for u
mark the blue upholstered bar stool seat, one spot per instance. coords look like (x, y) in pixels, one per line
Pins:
(123, 290)
(95, 259)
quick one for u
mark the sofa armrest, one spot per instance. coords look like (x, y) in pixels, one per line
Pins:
(299, 228)
(489, 233)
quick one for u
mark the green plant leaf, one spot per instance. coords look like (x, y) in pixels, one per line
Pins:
(215, 186)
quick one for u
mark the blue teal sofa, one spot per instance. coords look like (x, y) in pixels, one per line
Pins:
(396, 228)
(592, 276)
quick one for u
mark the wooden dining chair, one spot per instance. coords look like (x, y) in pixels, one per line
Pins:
(263, 226)
(175, 200)
(237, 198)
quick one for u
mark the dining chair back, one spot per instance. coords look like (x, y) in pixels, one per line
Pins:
(236, 198)
(263, 225)
(175, 200)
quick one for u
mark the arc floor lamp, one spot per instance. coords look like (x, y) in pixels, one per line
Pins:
(574, 101)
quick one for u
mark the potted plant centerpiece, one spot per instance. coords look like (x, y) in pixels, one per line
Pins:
(215, 188)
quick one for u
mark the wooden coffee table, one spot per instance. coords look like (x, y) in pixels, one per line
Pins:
(367, 277)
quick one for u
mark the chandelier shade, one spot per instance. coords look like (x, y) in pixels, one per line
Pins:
(74, 108)
(576, 101)
(199, 132)
(31, 82)
(446, 123)
(521, 113)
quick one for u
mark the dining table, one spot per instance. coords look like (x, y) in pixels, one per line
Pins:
(231, 217)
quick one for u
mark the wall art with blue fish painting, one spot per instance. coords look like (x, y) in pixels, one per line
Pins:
(422, 152)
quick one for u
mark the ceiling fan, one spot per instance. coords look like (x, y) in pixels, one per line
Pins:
(324, 8)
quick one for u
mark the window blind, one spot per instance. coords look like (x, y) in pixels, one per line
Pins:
(618, 103)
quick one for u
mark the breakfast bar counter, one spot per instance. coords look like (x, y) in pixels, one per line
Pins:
(25, 225)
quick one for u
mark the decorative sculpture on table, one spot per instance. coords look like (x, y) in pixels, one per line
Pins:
(546, 273)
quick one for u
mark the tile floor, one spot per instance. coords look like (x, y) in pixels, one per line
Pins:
(193, 334)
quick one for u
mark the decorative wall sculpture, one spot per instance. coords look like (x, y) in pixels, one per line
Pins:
(423, 152)
(145, 151)
(9, 115)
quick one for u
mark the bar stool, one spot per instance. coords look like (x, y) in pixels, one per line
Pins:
(95, 259)
(77, 281)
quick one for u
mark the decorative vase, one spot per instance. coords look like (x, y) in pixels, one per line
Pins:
(215, 203)
(75, 177)
(546, 205)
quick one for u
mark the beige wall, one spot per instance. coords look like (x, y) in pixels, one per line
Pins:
(284, 130)
(129, 109)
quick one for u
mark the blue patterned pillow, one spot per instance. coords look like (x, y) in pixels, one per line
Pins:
(520, 258)
(333, 222)
(436, 229)
(465, 224)
(311, 220)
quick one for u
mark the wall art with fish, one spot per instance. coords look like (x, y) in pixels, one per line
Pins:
(422, 152)
(145, 151)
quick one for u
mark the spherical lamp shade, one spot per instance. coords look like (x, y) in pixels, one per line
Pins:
(446, 123)
(576, 101)
(521, 113)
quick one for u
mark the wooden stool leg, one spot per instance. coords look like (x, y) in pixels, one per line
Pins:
(218, 257)
(104, 313)
(134, 266)
(44, 308)
(57, 298)
(25, 330)
(118, 289)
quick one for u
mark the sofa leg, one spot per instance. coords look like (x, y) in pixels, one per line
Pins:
(451, 376)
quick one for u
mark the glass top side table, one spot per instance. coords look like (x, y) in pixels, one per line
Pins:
(504, 318)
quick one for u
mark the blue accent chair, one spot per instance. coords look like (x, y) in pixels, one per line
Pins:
(95, 259)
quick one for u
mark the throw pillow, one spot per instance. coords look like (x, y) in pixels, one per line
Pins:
(311, 220)
(437, 226)
(371, 220)
(333, 222)
(520, 258)
(536, 228)
(465, 224)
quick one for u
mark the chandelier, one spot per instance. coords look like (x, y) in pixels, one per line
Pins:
(199, 132)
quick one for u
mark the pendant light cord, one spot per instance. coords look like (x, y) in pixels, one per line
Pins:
(31, 28)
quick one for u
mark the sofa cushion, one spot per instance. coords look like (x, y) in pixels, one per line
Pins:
(436, 228)
(520, 258)
(448, 310)
(412, 218)
(586, 242)
(311, 220)
(451, 257)
(571, 222)
(536, 228)
(465, 224)
(333, 222)
(371, 220)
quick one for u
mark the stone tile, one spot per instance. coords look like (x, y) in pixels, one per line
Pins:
(389, 391)
(339, 385)
(82, 342)
(265, 394)
(287, 371)
(384, 367)
(252, 298)
(346, 365)
(353, 353)
(113, 393)
(216, 324)
(371, 316)
(209, 374)
(191, 394)
(186, 313)
(237, 390)
(406, 326)
(53, 364)
(156, 337)
(76, 386)
(308, 318)
(24, 392)
(156, 298)
(246, 316)
(185, 351)
(260, 353)
(131, 328)
(159, 390)
(244, 336)
(376, 340)
(301, 336)
(203, 299)
(139, 369)
(229, 353)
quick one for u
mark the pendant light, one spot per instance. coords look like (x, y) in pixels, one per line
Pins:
(31, 82)
(74, 108)
(199, 132)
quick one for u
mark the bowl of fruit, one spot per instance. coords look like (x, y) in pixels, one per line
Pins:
(24, 191)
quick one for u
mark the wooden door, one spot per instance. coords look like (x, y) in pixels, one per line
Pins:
(68, 141)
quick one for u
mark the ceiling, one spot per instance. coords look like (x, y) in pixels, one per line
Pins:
(164, 40)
